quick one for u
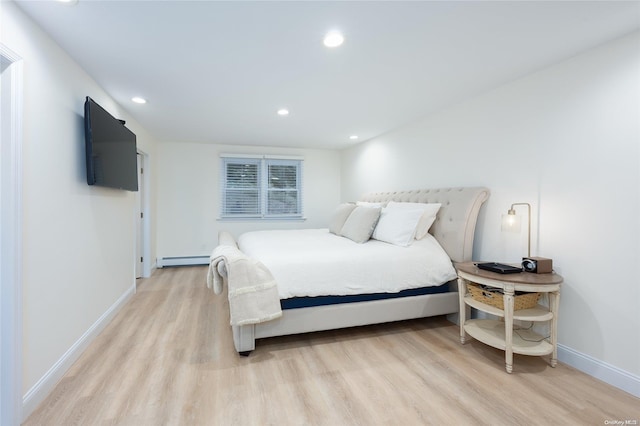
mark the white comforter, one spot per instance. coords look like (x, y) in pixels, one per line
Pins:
(314, 262)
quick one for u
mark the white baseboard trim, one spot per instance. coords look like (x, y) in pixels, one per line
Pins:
(182, 261)
(45, 385)
(600, 370)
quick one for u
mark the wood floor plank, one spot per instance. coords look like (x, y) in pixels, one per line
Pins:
(167, 358)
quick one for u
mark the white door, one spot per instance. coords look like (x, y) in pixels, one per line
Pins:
(139, 220)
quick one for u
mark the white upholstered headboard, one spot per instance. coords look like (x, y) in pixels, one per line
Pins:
(455, 224)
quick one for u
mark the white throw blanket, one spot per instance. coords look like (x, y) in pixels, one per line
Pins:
(253, 292)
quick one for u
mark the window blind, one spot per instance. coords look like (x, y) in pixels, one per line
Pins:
(264, 187)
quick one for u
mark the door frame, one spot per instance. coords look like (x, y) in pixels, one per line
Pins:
(145, 223)
(11, 259)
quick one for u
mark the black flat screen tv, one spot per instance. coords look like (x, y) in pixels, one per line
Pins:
(110, 149)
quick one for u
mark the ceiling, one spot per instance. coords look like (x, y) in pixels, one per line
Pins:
(217, 72)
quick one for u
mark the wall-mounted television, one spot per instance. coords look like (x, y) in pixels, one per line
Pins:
(110, 149)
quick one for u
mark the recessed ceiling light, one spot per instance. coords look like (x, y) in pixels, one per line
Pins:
(333, 39)
(283, 111)
(68, 2)
(139, 100)
(353, 137)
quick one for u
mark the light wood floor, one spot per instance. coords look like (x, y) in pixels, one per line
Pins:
(168, 359)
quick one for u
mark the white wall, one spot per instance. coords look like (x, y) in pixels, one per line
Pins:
(565, 139)
(78, 241)
(189, 195)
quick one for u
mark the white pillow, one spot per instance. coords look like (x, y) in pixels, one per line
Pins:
(368, 204)
(429, 212)
(339, 217)
(360, 223)
(397, 226)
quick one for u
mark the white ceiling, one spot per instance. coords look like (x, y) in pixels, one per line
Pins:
(217, 72)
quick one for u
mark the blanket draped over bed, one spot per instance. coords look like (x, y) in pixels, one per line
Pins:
(253, 292)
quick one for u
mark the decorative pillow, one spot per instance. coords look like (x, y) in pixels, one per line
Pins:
(397, 226)
(361, 223)
(339, 217)
(429, 212)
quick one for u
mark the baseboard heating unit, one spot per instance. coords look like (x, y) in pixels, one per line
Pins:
(182, 261)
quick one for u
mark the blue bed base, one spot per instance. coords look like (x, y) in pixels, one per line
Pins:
(305, 302)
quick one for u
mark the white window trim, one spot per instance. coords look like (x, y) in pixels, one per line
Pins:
(263, 161)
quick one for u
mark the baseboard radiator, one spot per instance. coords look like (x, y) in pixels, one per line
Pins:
(163, 262)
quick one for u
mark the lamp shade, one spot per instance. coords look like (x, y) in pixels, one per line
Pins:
(511, 223)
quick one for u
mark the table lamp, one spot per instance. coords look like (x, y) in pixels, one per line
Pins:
(511, 223)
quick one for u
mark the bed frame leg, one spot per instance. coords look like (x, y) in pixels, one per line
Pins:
(244, 338)
(244, 353)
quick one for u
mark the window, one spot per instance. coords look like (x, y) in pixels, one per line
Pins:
(261, 187)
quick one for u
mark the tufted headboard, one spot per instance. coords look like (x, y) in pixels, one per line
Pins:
(455, 223)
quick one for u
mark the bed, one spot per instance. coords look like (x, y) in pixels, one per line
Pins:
(406, 287)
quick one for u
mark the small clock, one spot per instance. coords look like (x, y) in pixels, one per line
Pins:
(538, 265)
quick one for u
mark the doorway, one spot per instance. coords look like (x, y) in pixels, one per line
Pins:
(11, 237)
(139, 217)
(143, 244)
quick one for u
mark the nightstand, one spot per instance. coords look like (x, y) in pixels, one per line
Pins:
(500, 333)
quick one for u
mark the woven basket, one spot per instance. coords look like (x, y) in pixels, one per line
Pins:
(494, 297)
